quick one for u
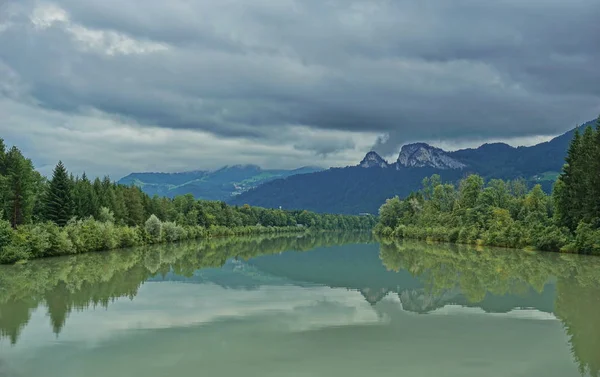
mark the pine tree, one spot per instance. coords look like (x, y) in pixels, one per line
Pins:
(85, 199)
(577, 191)
(564, 189)
(585, 180)
(120, 206)
(595, 172)
(2, 157)
(107, 194)
(135, 206)
(59, 199)
(3, 189)
(18, 188)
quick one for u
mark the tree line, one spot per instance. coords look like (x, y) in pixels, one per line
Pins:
(506, 213)
(70, 214)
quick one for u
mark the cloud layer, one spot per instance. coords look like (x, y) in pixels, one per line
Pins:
(151, 85)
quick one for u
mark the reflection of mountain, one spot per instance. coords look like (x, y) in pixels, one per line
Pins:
(359, 268)
(373, 296)
(420, 302)
(234, 274)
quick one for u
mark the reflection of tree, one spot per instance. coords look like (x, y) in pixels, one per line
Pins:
(96, 279)
(578, 307)
(500, 272)
(474, 272)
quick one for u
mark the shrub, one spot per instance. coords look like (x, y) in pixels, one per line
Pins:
(129, 237)
(86, 235)
(106, 215)
(109, 235)
(34, 239)
(587, 239)
(153, 227)
(552, 238)
(13, 253)
(60, 244)
(6, 234)
(172, 232)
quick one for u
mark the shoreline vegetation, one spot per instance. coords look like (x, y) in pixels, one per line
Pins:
(505, 213)
(73, 215)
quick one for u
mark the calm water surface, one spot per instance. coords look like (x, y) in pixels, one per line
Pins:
(328, 305)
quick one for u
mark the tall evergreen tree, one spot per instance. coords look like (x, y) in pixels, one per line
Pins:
(135, 206)
(2, 157)
(567, 209)
(577, 191)
(18, 187)
(585, 184)
(107, 194)
(3, 189)
(59, 199)
(120, 206)
(595, 177)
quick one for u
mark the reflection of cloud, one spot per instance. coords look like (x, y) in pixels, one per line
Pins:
(517, 313)
(167, 305)
(285, 331)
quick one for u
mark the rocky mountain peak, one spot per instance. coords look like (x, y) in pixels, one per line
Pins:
(373, 160)
(420, 155)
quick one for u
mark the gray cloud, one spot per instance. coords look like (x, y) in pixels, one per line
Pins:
(330, 76)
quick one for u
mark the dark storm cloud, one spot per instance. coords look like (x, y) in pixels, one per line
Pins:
(409, 70)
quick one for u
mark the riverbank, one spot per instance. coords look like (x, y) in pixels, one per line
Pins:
(89, 235)
(585, 240)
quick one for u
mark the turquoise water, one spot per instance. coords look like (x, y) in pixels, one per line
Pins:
(330, 305)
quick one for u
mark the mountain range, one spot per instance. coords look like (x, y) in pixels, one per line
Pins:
(364, 187)
(222, 184)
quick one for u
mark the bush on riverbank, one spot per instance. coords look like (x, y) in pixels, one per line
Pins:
(89, 235)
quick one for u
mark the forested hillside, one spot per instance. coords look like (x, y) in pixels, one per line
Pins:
(221, 184)
(359, 189)
(502, 161)
(351, 190)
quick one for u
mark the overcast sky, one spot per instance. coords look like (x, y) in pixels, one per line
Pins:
(115, 86)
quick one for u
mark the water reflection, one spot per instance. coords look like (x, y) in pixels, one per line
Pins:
(481, 275)
(251, 278)
(97, 279)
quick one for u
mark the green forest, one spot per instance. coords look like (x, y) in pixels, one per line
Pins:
(68, 214)
(505, 213)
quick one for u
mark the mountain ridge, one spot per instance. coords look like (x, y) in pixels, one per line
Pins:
(373, 160)
(217, 184)
(356, 189)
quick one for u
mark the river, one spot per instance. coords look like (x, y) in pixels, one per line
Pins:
(331, 304)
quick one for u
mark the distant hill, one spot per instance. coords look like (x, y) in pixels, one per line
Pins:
(503, 161)
(363, 188)
(221, 184)
(341, 190)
